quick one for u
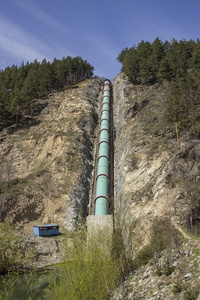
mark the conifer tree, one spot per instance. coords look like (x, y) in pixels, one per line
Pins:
(156, 58)
(20, 85)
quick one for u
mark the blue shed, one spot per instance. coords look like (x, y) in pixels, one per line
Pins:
(46, 230)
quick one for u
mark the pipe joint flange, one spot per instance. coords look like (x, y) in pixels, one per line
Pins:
(103, 156)
(104, 129)
(108, 103)
(105, 109)
(104, 141)
(104, 174)
(106, 96)
(105, 119)
(101, 196)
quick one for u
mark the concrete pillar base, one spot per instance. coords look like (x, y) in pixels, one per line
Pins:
(95, 223)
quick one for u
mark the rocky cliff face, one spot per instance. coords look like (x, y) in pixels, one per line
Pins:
(45, 168)
(156, 182)
(153, 178)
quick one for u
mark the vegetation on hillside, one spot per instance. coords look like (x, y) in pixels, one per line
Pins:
(172, 71)
(91, 268)
(19, 86)
(11, 255)
(178, 65)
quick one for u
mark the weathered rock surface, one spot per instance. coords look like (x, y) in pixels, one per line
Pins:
(154, 179)
(151, 174)
(45, 169)
(156, 282)
(42, 251)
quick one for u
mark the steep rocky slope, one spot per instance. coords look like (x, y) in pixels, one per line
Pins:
(177, 278)
(45, 168)
(46, 172)
(153, 177)
(156, 185)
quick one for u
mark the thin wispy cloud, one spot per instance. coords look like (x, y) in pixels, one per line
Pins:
(48, 29)
(20, 44)
(36, 11)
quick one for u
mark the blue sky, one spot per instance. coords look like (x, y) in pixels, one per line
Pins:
(95, 30)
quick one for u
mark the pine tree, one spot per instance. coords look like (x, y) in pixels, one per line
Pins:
(131, 65)
(156, 58)
(144, 51)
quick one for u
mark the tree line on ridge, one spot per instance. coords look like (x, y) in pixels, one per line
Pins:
(176, 63)
(19, 86)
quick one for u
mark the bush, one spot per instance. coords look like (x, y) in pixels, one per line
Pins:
(163, 236)
(191, 293)
(89, 270)
(9, 256)
(177, 287)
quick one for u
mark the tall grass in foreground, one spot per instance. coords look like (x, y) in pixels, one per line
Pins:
(89, 270)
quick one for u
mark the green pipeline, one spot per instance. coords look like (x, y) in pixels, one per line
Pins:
(102, 180)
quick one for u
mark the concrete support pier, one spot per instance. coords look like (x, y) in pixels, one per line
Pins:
(96, 223)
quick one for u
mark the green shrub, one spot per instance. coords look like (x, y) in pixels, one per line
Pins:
(89, 270)
(163, 236)
(191, 293)
(159, 271)
(9, 255)
(168, 269)
(177, 287)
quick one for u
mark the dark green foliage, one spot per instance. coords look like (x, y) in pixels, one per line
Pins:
(166, 270)
(178, 64)
(190, 293)
(177, 287)
(131, 65)
(20, 85)
(10, 254)
(150, 63)
(156, 58)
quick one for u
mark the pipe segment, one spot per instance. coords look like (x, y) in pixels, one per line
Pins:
(106, 93)
(102, 179)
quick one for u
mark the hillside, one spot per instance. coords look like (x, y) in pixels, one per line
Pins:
(156, 191)
(46, 177)
(154, 177)
(46, 167)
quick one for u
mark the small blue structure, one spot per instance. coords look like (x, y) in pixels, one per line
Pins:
(46, 230)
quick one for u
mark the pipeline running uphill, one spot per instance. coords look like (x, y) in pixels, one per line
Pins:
(102, 179)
